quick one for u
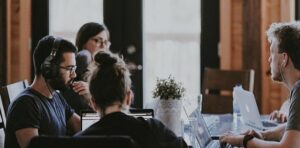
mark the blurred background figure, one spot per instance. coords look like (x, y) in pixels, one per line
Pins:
(91, 38)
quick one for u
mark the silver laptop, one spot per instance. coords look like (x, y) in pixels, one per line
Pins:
(200, 130)
(88, 118)
(249, 110)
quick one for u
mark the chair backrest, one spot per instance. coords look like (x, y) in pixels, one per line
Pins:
(218, 85)
(83, 142)
(3, 116)
(11, 91)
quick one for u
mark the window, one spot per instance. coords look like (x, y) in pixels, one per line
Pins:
(67, 16)
(171, 44)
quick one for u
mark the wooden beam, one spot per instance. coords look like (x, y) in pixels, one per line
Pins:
(225, 34)
(18, 40)
(252, 42)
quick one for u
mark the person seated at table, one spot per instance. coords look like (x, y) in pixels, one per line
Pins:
(282, 114)
(40, 109)
(285, 67)
(110, 87)
(91, 38)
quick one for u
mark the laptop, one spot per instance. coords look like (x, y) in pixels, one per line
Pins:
(199, 127)
(89, 117)
(145, 113)
(249, 110)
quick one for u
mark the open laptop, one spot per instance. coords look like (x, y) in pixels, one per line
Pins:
(145, 113)
(201, 133)
(203, 136)
(90, 117)
(249, 110)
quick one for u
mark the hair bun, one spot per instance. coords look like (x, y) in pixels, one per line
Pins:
(105, 59)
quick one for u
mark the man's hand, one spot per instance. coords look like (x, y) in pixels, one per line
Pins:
(256, 134)
(81, 87)
(278, 116)
(235, 140)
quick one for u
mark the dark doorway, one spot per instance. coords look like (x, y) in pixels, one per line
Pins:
(40, 23)
(124, 21)
(2, 43)
(210, 34)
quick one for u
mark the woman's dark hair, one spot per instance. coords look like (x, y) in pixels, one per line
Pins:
(110, 80)
(87, 31)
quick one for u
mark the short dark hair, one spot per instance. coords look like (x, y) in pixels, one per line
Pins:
(43, 49)
(288, 37)
(87, 31)
(110, 80)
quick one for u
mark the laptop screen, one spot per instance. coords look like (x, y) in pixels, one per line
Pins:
(89, 117)
(202, 134)
(145, 113)
(198, 125)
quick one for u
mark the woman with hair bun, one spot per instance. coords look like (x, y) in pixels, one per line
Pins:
(110, 87)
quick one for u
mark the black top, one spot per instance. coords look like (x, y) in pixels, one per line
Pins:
(33, 110)
(149, 133)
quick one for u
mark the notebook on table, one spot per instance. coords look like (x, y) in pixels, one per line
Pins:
(249, 110)
(90, 117)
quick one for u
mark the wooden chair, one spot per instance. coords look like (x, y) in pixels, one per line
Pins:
(218, 86)
(83, 142)
(11, 91)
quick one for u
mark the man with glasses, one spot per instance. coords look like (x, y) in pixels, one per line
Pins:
(40, 109)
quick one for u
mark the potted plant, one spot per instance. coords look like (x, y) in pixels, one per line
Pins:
(169, 105)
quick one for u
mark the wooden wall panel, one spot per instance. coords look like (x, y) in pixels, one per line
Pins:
(231, 34)
(225, 34)
(273, 11)
(244, 43)
(18, 40)
(252, 42)
(237, 34)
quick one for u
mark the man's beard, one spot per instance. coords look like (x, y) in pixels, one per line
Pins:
(58, 84)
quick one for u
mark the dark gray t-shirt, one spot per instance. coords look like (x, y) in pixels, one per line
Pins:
(33, 110)
(293, 122)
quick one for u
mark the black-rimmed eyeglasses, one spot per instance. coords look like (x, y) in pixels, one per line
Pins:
(102, 42)
(71, 68)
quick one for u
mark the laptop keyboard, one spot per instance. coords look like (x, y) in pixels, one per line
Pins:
(216, 144)
(269, 124)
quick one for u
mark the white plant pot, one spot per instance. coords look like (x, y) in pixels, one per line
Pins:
(169, 113)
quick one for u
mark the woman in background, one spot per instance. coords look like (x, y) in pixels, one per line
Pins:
(110, 87)
(91, 38)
